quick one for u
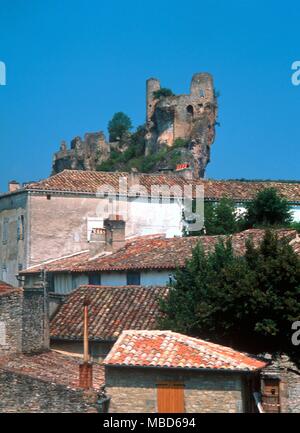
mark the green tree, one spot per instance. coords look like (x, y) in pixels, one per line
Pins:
(268, 209)
(220, 218)
(118, 126)
(249, 302)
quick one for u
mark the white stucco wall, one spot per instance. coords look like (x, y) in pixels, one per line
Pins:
(295, 211)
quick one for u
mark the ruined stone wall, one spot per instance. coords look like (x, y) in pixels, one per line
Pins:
(84, 154)
(20, 393)
(135, 390)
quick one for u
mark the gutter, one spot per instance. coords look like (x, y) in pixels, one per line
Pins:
(199, 369)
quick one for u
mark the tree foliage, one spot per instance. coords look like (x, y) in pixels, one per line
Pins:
(268, 209)
(119, 125)
(249, 302)
(219, 219)
(162, 92)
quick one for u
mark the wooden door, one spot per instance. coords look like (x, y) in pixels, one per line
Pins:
(170, 397)
(271, 395)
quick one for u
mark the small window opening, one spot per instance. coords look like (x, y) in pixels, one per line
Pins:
(190, 110)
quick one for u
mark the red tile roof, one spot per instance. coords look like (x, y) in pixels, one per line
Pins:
(6, 288)
(152, 253)
(173, 350)
(51, 367)
(90, 181)
(111, 311)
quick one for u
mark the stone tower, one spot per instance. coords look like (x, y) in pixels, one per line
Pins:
(189, 117)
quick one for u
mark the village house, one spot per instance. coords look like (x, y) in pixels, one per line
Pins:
(55, 217)
(144, 260)
(145, 370)
(111, 311)
(163, 371)
(34, 378)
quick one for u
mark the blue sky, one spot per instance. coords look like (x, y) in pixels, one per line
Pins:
(72, 64)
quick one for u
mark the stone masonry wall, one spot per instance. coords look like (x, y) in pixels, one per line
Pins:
(35, 323)
(291, 401)
(134, 390)
(21, 393)
(10, 322)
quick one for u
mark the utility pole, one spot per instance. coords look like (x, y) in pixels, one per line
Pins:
(86, 367)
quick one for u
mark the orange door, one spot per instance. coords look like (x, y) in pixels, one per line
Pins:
(170, 397)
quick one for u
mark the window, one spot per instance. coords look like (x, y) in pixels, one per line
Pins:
(95, 279)
(133, 278)
(20, 229)
(170, 397)
(4, 272)
(5, 231)
(202, 93)
(190, 110)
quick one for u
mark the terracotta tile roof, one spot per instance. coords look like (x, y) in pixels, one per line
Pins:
(50, 367)
(111, 311)
(173, 350)
(6, 288)
(152, 253)
(90, 181)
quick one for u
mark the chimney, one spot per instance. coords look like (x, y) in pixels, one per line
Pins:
(97, 242)
(115, 232)
(184, 170)
(86, 368)
(13, 186)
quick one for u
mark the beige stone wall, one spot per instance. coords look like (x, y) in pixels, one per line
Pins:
(134, 390)
(12, 251)
(59, 225)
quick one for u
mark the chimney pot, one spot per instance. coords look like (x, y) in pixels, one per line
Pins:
(13, 186)
(86, 375)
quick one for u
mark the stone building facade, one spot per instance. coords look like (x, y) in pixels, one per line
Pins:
(164, 371)
(84, 154)
(34, 378)
(281, 385)
(10, 319)
(24, 321)
(136, 390)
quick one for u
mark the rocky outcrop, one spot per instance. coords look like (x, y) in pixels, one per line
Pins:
(180, 130)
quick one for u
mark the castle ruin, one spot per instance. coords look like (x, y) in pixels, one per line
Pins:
(190, 117)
